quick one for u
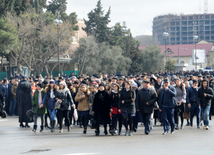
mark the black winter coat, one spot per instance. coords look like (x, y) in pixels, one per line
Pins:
(205, 101)
(129, 104)
(151, 98)
(24, 100)
(101, 106)
(65, 96)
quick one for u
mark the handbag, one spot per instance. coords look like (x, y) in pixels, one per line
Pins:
(75, 115)
(57, 105)
(30, 113)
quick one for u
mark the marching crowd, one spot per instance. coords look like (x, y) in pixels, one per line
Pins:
(113, 101)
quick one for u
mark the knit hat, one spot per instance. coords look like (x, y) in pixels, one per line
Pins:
(62, 83)
(40, 85)
(52, 82)
(134, 85)
(45, 82)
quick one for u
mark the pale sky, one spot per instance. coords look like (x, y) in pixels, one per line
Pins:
(139, 14)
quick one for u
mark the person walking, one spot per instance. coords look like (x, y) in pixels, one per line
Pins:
(101, 109)
(64, 98)
(116, 116)
(127, 107)
(13, 91)
(205, 95)
(180, 98)
(167, 106)
(39, 108)
(24, 101)
(146, 99)
(51, 102)
(82, 98)
(195, 108)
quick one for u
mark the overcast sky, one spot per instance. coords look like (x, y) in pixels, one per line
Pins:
(139, 14)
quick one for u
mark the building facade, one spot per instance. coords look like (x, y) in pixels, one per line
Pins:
(182, 28)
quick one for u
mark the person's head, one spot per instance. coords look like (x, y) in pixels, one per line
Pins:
(146, 83)
(62, 85)
(115, 87)
(94, 88)
(134, 86)
(16, 82)
(39, 86)
(204, 83)
(101, 87)
(83, 87)
(76, 84)
(121, 81)
(178, 82)
(52, 83)
(5, 81)
(195, 84)
(166, 82)
(128, 85)
(186, 84)
(159, 80)
(13, 80)
(108, 86)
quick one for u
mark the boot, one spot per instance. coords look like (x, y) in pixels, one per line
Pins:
(27, 126)
(42, 128)
(21, 125)
(34, 128)
(52, 126)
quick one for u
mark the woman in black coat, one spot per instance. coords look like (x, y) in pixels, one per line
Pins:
(101, 109)
(127, 107)
(63, 96)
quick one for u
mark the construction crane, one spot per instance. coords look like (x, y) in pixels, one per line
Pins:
(205, 6)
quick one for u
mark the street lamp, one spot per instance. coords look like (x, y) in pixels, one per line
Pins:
(165, 34)
(195, 39)
(58, 22)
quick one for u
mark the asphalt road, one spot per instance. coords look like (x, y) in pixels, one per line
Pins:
(15, 140)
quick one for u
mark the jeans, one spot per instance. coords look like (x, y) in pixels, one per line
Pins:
(206, 113)
(168, 117)
(195, 110)
(147, 122)
(52, 114)
(115, 119)
(11, 107)
(42, 119)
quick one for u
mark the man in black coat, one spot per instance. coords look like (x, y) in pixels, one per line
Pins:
(145, 100)
(204, 97)
(24, 100)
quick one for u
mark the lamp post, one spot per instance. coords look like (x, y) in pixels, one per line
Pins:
(165, 34)
(179, 53)
(58, 22)
(195, 38)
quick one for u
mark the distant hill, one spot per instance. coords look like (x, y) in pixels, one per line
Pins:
(146, 40)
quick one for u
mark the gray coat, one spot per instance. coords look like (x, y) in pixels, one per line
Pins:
(180, 95)
(91, 100)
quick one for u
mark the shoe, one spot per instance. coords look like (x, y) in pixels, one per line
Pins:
(172, 132)
(42, 128)
(131, 133)
(27, 126)
(182, 127)
(34, 128)
(146, 133)
(127, 133)
(85, 131)
(165, 133)
(188, 124)
(207, 128)
(61, 131)
(176, 127)
(198, 127)
(97, 133)
(52, 126)
(69, 128)
(111, 132)
(106, 133)
(135, 130)
(21, 125)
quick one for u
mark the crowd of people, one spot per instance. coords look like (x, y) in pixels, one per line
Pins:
(113, 101)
